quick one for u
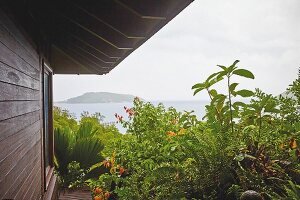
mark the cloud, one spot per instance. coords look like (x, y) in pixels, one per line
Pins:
(264, 35)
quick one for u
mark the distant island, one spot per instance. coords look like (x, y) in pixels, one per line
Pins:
(100, 97)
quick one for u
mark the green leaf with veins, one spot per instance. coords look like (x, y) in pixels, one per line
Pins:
(244, 73)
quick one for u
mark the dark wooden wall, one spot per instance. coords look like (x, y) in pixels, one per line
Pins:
(20, 121)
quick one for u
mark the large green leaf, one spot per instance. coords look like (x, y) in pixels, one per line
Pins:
(220, 103)
(223, 67)
(235, 62)
(63, 143)
(218, 98)
(212, 76)
(86, 151)
(214, 81)
(198, 85)
(232, 87)
(213, 92)
(239, 104)
(222, 73)
(232, 67)
(198, 90)
(86, 130)
(244, 73)
(245, 93)
(271, 107)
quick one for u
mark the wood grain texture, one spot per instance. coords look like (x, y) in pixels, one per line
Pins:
(8, 164)
(37, 189)
(16, 124)
(20, 119)
(8, 21)
(11, 92)
(13, 60)
(19, 175)
(13, 76)
(31, 183)
(75, 195)
(11, 43)
(11, 143)
(11, 109)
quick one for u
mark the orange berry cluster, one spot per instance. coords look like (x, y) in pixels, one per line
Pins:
(100, 194)
(110, 163)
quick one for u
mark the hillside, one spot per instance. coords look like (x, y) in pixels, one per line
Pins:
(100, 97)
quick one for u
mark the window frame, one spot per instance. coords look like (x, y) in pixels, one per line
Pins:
(47, 170)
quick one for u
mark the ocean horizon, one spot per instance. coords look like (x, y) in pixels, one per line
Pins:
(108, 110)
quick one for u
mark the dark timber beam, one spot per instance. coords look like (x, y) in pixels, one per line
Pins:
(64, 63)
(90, 50)
(89, 56)
(143, 10)
(118, 17)
(65, 28)
(81, 58)
(102, 55)
(94, 33)
(92, 24)
(109, 24)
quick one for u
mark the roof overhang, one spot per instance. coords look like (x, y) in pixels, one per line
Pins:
(94, 36)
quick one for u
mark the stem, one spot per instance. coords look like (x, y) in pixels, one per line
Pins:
(230, 107)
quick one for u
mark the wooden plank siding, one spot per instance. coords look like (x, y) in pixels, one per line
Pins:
(20, 114)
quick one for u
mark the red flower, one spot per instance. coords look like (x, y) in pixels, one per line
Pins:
(119, 118)
(122, 170)
(106, 195)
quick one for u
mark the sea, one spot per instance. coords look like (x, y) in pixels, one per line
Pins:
(108, 110)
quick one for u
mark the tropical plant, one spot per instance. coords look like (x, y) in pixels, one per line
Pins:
(75, 142)
(239, 146)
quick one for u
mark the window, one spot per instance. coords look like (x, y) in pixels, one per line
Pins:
(47, 124)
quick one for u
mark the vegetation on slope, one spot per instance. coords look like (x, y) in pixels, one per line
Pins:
(236, 147)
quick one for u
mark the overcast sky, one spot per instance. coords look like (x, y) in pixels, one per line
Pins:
(263, 35)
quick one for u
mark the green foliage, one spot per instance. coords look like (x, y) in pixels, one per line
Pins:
(163, 155)
(76, 175)
(238, 146)
(292, 191)
(80, 142)
(63, 119)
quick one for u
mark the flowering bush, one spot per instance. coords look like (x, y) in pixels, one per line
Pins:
(239, 146)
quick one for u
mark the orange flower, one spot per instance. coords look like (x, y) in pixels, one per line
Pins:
(98, 190)
(106, 195)
(293, 143)
(171, 133)
(97, 198)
